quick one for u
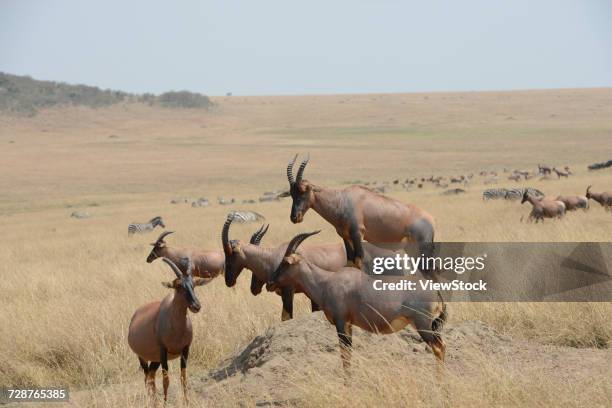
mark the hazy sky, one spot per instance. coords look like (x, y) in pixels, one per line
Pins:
(310, 46)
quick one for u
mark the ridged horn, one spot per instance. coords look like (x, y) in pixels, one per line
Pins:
(227, 248)
(258, 235)
(300, 172)
(297, 240)
(174, 268)
(290, 170)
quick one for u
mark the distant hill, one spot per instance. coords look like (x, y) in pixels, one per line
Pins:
(25, 95)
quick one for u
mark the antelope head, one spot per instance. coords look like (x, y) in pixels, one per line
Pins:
(158, 247)
(289, 266)
(185, 283)
(235, 260)
(301, 191)
(525, 197)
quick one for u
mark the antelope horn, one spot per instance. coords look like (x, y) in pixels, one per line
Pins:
(258, 235)
(161, 237)
(290, 170)
(300, 172)
(297, 240)
(589, 187)
(175, 268)
(227, 248)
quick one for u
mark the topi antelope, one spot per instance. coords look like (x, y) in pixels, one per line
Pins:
(605, 198)
(561, 173)
(359, 213)
(544, 169)
(206, 264)
(135, 228)
(263, 262)
(573, 203)
(347, 297)
(162, 331)
(543, 207)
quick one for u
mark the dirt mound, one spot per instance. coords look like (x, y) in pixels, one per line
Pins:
(267, 367)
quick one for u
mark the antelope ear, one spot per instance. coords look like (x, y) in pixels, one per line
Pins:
(284, 194)
(293, 259)
(200, 281)
(169, 285)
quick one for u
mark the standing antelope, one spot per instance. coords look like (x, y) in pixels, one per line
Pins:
(348, 297)
(263, 262)
(543, 208)
(561, 173)
(359, 213)
(145, 227)
(605, 198)
(206, 264)
(544, 169)
(162, 331)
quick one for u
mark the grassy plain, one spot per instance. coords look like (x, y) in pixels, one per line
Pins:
(69, 287)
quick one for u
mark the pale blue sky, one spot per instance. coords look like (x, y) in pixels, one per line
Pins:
(305, 47)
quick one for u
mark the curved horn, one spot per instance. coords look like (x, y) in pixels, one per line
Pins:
(175, 268)
(297, 240)
(162, 236)
(258, 235)
(300, 172)
(290, 170)
(589, 187)
(227, 248)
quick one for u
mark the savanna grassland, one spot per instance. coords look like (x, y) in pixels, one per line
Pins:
(69, 287)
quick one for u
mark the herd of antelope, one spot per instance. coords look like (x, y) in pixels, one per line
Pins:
(334, 276)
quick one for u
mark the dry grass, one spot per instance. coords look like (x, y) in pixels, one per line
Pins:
(70, 286)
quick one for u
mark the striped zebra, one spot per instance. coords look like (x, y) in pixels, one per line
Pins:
(147, 227)
(247, 216)
(494, 193)
(509, 193)
(517, 193)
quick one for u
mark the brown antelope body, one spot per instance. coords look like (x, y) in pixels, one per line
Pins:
(573, 203)
(206, 264)
(544, 170)
(543, 208)
(162, 331)
(605, 198)
(347, 297)
(561, 173)
(358, 213)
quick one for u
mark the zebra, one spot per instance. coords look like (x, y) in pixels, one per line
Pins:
(510, 193)
(494, 193)
(147, 227)
(517, 193)
(247, 216)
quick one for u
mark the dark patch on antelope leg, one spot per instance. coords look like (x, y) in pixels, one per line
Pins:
(164, 365)
(144, 366)
(357, 247)
(314, 307)
(346, 342)
(350, 254)
(287, 296)
(153, 366)
(184, 358)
